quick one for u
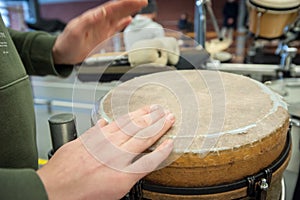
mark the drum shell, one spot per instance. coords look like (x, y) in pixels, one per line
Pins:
(274, 191)
(271, 23)
(190, 170)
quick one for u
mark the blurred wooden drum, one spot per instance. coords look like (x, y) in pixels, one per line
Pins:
(267, 18)
(230, 134)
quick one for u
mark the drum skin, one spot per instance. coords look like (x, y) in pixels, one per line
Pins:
(272, 22)
(252, 137)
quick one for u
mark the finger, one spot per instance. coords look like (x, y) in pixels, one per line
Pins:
(125, 119)
(115, 10)
(149, 135)
(103, 150)
(136, 125)
(123, 23)
(101, 123)
(112, 12)
(141, 122)
(149, 162)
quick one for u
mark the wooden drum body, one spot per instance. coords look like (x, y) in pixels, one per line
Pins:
(228, 128)
(267, 18)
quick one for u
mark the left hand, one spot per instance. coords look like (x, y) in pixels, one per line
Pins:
(83, 33)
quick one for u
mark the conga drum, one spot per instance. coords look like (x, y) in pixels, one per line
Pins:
(267, 18)
(230, 135)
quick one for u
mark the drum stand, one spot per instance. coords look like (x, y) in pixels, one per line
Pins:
(286, 53)
(203, 6)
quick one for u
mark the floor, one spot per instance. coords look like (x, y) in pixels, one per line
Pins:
(291, 173)
(290, 179)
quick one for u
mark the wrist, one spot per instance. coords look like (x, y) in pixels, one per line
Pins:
(56, 53)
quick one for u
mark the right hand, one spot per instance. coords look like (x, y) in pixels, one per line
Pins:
(102, 164)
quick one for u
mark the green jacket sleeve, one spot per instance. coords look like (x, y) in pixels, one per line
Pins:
(20, 184)
(35, 50)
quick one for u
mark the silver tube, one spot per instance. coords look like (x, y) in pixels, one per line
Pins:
(214, 20)
(200, 22)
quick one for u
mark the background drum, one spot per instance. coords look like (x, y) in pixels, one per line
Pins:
(228, 129)
(267, 18)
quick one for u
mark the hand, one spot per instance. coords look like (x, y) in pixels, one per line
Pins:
(230, 21)
(84, 33)
(103, 162)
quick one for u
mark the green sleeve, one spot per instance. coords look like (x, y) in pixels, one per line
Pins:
(20, 184)
(35, 50)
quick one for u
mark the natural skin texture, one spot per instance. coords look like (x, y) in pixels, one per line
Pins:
(85, 176)
(83, 33)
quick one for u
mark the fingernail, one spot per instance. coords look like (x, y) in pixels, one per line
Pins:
(169, 143)
(170, 117)
(154, 107)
